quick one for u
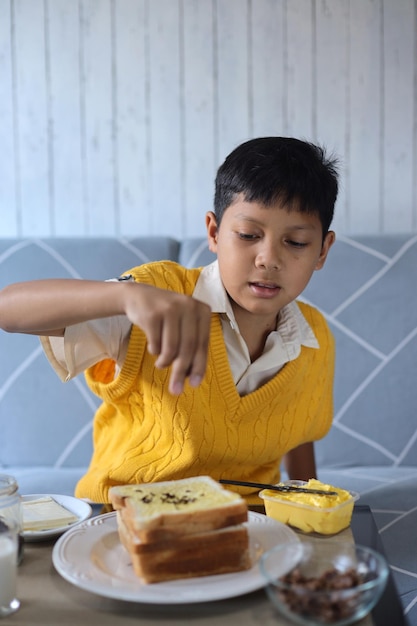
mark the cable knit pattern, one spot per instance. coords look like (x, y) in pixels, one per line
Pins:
(142, 433)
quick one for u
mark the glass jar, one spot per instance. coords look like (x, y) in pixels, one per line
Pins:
(11, 507)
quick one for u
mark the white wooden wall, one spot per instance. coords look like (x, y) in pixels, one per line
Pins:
(115, 114)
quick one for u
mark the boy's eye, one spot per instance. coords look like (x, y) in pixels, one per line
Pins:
(296, 244)
(247, 236)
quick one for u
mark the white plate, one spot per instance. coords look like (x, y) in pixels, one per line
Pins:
(80, 508)
(90, 556)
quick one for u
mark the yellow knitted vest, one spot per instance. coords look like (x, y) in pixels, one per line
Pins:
(144, 434)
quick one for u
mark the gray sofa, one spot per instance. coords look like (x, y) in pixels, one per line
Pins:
(368, 292)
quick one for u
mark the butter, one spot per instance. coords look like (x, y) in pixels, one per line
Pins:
(313, 499)
(326, 515)
(45, 513)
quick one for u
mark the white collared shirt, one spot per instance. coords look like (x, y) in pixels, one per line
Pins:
(90, 342)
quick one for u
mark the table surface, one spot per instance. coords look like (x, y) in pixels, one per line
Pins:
(49, 600)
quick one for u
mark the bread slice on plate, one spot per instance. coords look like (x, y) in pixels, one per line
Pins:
(170, 509)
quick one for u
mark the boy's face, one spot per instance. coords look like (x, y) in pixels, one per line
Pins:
(266, 256)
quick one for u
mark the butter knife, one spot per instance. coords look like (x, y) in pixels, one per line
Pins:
(281, 488)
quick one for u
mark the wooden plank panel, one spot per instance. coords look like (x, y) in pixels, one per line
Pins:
(233, 125)
(364, 130)
(131, 117)
(66, 167)
(397, 167)
(198, 152)
(266, 66)
(299, 79)
(31, 94)
(8, 201)
(332, 27)
(165, 118)
(116, 120)
(97, 116)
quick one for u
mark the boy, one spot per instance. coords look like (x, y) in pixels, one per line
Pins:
(213, 370)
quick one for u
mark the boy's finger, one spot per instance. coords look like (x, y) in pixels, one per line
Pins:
(169, 342)
(183, 363)
(153, 335)
(192, 359)
(199, 363)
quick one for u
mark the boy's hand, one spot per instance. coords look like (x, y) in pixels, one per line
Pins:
(177, 328)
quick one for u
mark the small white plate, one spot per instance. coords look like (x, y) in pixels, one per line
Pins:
(76, 506)
(90, 556)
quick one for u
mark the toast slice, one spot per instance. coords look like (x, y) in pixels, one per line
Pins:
(167, 510)
(203, 554)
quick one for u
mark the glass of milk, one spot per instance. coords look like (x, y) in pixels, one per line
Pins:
(9, 534)
(11, 506)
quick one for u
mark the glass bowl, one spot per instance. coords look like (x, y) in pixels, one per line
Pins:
(325, 515)
(330, 582)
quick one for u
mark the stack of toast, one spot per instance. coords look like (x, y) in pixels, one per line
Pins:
(182, 528)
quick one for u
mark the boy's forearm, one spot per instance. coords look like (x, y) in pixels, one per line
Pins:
(49, 306)
(177, 326)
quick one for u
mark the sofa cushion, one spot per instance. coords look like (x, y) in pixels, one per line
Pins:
(43, 422)
(367, 292)
(95, 258)
(194, 252)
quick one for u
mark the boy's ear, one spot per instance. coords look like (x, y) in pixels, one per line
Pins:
(329, 240)
(211, 226)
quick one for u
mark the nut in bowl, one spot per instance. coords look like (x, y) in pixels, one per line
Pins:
(311, 513)
(333, 582)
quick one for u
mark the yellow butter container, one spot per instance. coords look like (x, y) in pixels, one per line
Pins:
(311, 513)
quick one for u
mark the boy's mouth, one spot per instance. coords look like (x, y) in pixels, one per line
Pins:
(265, 290)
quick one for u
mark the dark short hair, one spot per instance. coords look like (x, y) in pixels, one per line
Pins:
(279, 169)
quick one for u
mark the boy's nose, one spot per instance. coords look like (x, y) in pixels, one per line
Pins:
(268, 259)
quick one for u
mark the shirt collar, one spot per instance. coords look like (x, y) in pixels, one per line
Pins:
(291, 324)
